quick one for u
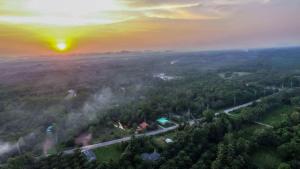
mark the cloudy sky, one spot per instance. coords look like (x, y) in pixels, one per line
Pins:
(82, 26)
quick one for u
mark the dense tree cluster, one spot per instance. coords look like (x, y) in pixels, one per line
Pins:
(59, 161)
(194, 94)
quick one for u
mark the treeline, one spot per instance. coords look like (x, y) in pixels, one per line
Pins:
(268, 104)
(58, 161)
(193, 94)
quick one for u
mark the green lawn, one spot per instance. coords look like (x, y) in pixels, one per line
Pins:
(103, 134)
(237, 112)
(277, 116)
(114, 152)
(106, 154)
(266, 159)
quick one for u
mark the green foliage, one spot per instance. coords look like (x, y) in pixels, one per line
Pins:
(295, 117)
(107, 154)
(284, 166)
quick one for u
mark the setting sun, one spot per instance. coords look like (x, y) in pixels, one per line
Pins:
(61, 46)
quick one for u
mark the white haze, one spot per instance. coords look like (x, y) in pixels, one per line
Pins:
(6, 147)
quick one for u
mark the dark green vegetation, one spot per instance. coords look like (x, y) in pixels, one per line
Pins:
(128, 92)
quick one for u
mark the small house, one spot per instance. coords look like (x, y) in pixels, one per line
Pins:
(163, 121)
(143, 126)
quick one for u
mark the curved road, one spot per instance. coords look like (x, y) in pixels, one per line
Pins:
(160, 131)
(124, 139)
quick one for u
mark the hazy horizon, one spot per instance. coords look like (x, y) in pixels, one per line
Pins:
(44, 28)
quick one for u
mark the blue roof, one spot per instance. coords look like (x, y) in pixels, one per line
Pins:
(150, 157)
(163, 120)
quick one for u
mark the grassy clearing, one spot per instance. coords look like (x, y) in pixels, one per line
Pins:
(106, 154)
(237, 113)
(278, 115)
(113, 152)
(109, 133)
(266, 159)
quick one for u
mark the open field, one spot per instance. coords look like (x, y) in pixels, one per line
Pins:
(106, 154)
(278, 115)
(113, 152)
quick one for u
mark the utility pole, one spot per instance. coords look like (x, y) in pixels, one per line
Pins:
(18, 145)
(254, 92)
(234, 100)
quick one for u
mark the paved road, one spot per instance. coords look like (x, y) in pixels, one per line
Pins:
(241, 106)
(263, 124)
(124, 139)
(160, 131)
(229, 110)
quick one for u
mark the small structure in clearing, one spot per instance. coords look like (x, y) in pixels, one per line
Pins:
(150, 157)
(163, 121)
(89, 155)
(119, 125)
(142, 127)
(169, 141)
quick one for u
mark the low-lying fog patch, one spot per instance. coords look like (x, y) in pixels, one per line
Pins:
(229, 75)
(165, 77)
(71, 94)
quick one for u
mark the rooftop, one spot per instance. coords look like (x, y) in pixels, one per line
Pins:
(150, 157)
(163, 120)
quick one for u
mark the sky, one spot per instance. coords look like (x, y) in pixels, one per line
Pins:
(38, 27)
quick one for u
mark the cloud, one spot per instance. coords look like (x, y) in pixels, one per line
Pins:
(60, 21)
(233, 2)
(48, 12)
(188, 9)
(164, 6)
(180, 14)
